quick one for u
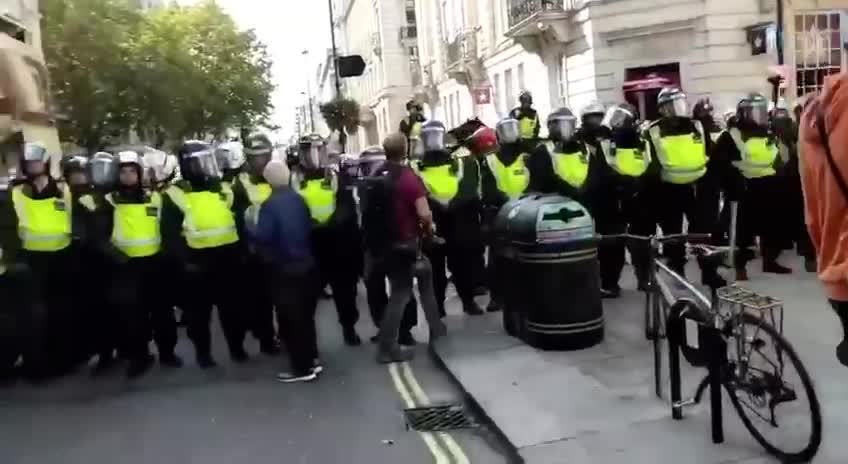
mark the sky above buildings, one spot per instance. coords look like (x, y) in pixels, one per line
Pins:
(288, 27)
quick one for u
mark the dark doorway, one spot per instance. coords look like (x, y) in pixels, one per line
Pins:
(641, 86)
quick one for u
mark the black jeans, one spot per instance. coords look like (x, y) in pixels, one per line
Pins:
(259, 307)
(672, 203)
(760, 215)
(375, 286)
(339, 268)
(402, 270)
(294, 291)
(460, 261)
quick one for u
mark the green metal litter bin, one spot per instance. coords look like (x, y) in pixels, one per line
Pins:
(550, 273)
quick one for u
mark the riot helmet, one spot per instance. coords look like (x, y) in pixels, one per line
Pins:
(102, 170)
(671, 103)
(525, 99)
(130, 169)
(413, 107)
(782, 123)
(258, 150)
(229, 156)
(621, 116)
(370, 161)
(562, 124)
(75, 170)
(753, 109)
(432, 136)
(592, 115)
(313, 152)
(507, 130)
(34, 159)
(160, 168)
(197, 161)
(703, 110)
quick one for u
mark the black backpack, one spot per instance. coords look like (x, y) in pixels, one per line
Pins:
(376, 196)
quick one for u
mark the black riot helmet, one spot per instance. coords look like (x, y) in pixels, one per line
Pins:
(592, 116)
(507, 130)
(313, 152)
(621, 116)
(562, 124)
(35, 159)
(432, 137)
(671, 103)
(370, 161)
(703, 110)
(197, 161)
(782, 123)
(525, 99)
(103, 171)
(753, 109)
(258, 151)
(413, 106)
(75, 168)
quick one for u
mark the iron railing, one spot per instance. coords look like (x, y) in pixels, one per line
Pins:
(461, 49)
(519, 10)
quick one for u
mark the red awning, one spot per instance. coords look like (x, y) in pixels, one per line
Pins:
(648, 83)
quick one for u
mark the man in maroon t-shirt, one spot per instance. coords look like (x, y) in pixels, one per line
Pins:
(413, 221)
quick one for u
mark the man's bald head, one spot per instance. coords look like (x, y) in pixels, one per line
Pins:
(395, 146)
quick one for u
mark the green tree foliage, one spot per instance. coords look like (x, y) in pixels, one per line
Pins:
(169, 73)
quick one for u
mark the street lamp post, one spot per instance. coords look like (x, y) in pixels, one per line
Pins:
(779, 32)
(309, 90)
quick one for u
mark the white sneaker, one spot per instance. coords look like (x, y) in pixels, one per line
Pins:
(288, 377)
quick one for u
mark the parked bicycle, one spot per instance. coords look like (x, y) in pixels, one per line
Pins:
(726, 333)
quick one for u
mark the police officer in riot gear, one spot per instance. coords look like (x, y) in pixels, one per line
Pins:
(337, 257)
(626, 163)
(251, 190)
(503, 177)
(704, 113)
(453, 195)
(43, 245)
(676, 188)
(749, 152)
(199, 227)
(132, 232)
(411, 125)
(560, 165)
(528, 121)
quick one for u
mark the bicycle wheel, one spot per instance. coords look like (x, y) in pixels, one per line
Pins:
(758, 394)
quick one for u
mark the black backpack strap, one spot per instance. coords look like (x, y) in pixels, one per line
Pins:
(837, 174)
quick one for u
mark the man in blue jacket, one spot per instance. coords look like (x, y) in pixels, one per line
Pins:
(283, 231)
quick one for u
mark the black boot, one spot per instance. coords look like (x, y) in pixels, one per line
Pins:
(393, 355)
(105, 362)
(810, 264)
(471, 308)
(140, 366)
(206, 361)
(238, 355)
(841, 309)
(494, 306)
(405, 338)
(170, 360)
(351, 338)
(773, 267)
(269, 347)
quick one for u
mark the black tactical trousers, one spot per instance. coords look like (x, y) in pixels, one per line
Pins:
(209, 282)
(460, 262)
(258, 304)
(606, 208)
(759, 215)
(338, 267)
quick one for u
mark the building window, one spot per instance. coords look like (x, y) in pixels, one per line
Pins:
(509, 90)
(818, 49)
(521, 86)
(498, 97)
(562, 79)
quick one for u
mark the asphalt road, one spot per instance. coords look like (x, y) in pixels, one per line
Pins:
(234, 414)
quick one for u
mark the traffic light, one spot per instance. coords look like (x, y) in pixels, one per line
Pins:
(350, 66)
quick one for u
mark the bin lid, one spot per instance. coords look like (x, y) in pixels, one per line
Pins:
(547, 219)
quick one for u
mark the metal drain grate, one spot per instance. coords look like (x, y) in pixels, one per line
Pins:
(438, 418)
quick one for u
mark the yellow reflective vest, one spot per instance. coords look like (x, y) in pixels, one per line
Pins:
(208, 221)
(757, 155)
(442, 182)
(527, 127)
(683, 157)
(630, 162)
(256, 196)
(320, 197)
(572, 168)
(135, 229)
(512, 180)
(45, 224)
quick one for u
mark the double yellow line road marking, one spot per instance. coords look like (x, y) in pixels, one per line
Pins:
(442, 446)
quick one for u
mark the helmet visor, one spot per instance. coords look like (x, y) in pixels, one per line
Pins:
(313, 155)
(257, 163)
(678, 107)
(202, 164)
(433, 139)
(102, 171)
(35, 152)
(758, 114)
(618, 117)
(507, 131)
(562, 127)
(369, 166)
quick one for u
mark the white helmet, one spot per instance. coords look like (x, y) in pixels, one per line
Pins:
(160, 167)
(229, 155)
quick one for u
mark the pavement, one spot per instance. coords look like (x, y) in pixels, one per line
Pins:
(597, 406)
(239, 414)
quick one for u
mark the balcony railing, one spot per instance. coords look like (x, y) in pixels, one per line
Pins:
(460, 50)
(520, 10)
